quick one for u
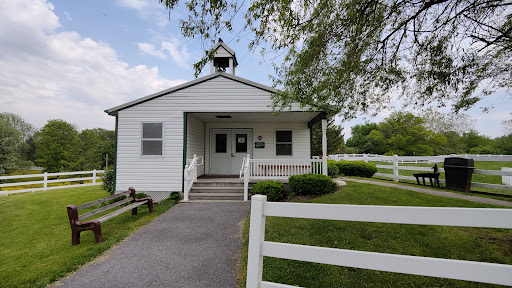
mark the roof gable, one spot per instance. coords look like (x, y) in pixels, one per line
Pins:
(112, 110)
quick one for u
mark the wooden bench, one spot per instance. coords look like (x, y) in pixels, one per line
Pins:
(95, 225)
(433, 177)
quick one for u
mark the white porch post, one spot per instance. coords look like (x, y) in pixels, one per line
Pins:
(324, 146)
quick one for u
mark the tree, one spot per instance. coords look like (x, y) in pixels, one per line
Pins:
(507, 125)
(23, 127)
(359, 139)
(473, 140)
(334, 138)
(504, 144)
(57, 146)
(404, 134)
(10, 140)
(352, 56)
(440, 122)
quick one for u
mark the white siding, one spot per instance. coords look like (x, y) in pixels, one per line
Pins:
(221, 52)
(195, 140)
(164, 173)
(301, 140)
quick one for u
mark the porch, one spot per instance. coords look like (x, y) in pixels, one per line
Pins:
(254, 146)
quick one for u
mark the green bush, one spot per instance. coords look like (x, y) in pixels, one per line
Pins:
(273, 189)
(311, 184)
(108, 180)
(175, 197)
(141, 195)
(332, 168)
(357, 168)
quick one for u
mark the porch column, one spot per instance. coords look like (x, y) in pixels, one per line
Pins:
(324, 146)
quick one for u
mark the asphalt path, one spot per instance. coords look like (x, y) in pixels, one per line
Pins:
(191, 245)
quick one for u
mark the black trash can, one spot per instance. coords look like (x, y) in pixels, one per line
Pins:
(458, 173)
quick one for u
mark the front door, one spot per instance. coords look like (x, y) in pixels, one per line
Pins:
(228, 147)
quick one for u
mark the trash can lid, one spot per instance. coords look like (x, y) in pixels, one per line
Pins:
(459, 162)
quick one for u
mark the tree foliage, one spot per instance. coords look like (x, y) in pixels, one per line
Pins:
(57, 146)
(334, 138)
(440, 122)
(352, 56)
(360, 137)
(10, 140)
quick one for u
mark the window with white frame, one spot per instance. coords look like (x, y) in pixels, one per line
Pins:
(152, 141)
(283, 143)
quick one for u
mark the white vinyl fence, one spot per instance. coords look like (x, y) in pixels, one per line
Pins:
(94, 177)
(395, 162)
(445, 268)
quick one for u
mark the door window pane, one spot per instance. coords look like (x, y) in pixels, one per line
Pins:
(221, 143)
(241, 143)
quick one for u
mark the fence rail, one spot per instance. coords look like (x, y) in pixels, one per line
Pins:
(396, 176)
(425, 266)
(419, 159)
(45, 181)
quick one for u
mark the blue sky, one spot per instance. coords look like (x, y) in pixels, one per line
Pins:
(71, 60)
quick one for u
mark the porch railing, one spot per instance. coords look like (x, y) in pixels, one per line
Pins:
(272, 169)
(282, 169)
(190, 175)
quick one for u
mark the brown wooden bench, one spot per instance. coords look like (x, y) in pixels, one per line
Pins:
(433, 177)
(95, 225)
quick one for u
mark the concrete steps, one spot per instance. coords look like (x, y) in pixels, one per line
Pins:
(218, 189)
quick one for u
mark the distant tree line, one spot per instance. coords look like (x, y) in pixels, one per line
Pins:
(429, 133)
(58, 146)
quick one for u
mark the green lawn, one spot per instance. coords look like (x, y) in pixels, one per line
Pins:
(35, 236)
(476, 244)
(491, 179)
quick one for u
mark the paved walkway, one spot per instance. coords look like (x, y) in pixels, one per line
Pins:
(191, 245)
(435, 192)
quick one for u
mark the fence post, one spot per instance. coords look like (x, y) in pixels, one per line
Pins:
(256, 238)
(247, 171)
(365, 158)
(94, 177)
(45, 184)
(395, 168)
(324, 147)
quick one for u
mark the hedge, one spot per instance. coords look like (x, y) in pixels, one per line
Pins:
(273, 189)
(311, 184)
(357, 168)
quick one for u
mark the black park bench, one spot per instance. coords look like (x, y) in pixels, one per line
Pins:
(95, 225)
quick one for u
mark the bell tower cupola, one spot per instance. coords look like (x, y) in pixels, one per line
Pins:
(223, 58)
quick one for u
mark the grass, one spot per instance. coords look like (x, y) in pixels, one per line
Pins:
(35, 237)
(503, 197)
(475, 244)
(491, 179)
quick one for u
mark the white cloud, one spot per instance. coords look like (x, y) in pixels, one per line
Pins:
(150, 49)
(180, 56)
(68, 16)
(48, 75)
(178, 52)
